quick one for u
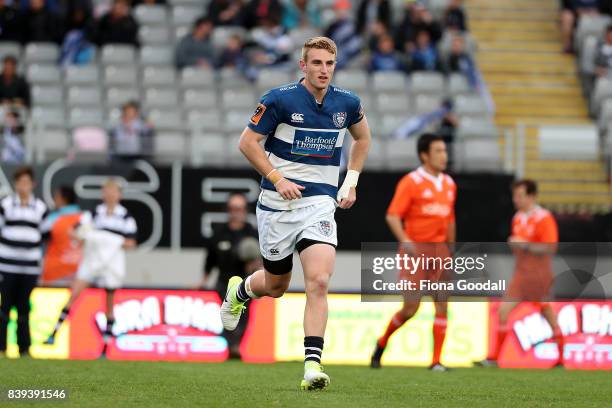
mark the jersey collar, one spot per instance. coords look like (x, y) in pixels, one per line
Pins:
(312, 97)
(437, 181)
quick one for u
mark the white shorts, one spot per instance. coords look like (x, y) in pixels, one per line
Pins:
(280, 231)
(103, 260)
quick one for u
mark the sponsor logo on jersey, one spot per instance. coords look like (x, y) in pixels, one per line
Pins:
(274, 251)
(440, 210)
(342, 90)
(297, 117)
(259, 111)
(316, 144)
(427, 193)
(325, 228)
(339, 119)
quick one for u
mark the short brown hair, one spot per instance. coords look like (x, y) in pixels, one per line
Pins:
(23, 171)
(531, 187)
(319, 43)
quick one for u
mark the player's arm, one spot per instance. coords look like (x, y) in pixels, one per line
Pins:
(398, 208)
(360, 131)
(250, 146)
(452, 231)
(130, 234)
(397, 228)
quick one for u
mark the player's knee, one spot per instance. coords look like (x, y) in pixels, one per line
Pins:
(409, 310)
(318, 285)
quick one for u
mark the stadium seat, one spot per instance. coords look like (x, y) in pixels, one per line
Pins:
(427, 103)
(427, 82)
(84, 96)
(376, 155)
(472, 105)
(477, 154)
(118, 54)
(170, 147)
(90, 143)
(197, 78)
(472, 127)
(81, 75)
(156, 55)
(353, 80)
(193, 98)
(236, 121)
(154, 35)
(47, 95)
(393, 103)
(444, 45)
(160, 97)
(232, 78)
(147, 14)
(167, 119)
(120, 75)
(78, 117)
(175, 3)
(390, 122)
(437, 8)
(205, 120)
(594, 25)
(221, 34)
(458, 84)
(51, 145)
(10, 48)
(181, 31)
(41, 52)
(185, 15)
(389, 82)
(238, 99)
(49, 117)
(300, 35)
(588, 54)
(117, 96)
(208, 149)
(401, 154)
(158, 76)
(605, 115)
(272, 78)
(113, 117)
(43, 73)
(601, 92)
(234, 156)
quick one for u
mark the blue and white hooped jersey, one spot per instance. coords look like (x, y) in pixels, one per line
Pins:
(304, 140)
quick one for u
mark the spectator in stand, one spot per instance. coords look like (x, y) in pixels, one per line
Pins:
(571, 11)
(301, 13)
(273, 45)
(226, 12)
(416, 18)
(454, 16)
(195, 49)
(14, 89)
(149, 2)
(11, 22)
(605, 7)
(232, 55)
(260, 12)
(603, 63)
(118, 26)
(342, 31)
(13, 149)
(385, 57)
(133, 137)
(76, 47)
(371, 12)
(460, 61)
(41, 24)
(425, 56)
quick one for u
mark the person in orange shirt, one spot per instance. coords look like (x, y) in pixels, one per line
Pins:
(63, 254)
(422, 215)
(533, 240)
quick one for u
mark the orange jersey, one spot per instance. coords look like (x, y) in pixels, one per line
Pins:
(426, 205)
(63, 254)
(533, 272)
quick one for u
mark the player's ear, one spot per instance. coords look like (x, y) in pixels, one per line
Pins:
(302, 65)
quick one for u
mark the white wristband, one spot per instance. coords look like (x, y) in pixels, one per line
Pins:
(352, 176)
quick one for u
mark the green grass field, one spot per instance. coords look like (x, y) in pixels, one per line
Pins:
(233, 384)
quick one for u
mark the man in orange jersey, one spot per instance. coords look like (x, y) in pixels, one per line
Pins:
(63, 254)
(422, 216)
(534, 239)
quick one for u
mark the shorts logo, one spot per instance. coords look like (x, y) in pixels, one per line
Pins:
(339, 119)
(297, 117)
(274, 251)
(325, 228)
(259, 111)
